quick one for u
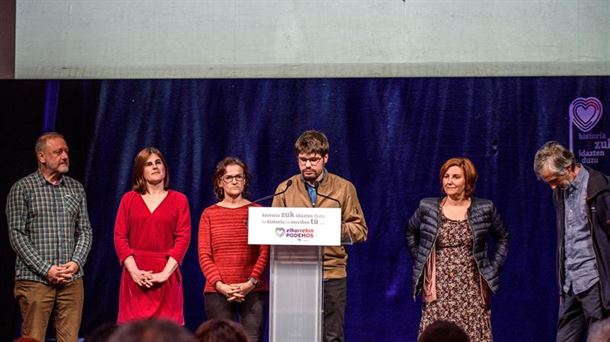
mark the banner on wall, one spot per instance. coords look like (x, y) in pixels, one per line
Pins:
(589, 133)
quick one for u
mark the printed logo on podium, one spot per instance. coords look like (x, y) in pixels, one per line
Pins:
(294, 226)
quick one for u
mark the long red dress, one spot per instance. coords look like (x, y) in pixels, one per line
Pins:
(151, 238)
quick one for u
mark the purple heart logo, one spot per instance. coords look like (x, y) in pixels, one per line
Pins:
(280, 232)
(586, 113)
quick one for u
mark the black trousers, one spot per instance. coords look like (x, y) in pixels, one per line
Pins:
(578, 312)
(335, 298)
(250, 311)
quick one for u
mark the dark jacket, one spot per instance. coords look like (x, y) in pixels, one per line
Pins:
(422, 231)
(598, 211)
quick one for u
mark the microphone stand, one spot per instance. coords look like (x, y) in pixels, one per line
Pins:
(288, 184)
(350, 241)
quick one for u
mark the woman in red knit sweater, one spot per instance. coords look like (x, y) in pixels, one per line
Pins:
(233, 270)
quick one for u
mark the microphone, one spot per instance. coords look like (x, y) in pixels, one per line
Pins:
(316, 185)
(288, 184)
(345, 239)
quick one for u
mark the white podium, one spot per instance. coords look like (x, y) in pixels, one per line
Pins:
(297, 237)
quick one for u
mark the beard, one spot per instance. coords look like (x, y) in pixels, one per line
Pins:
(310, 175)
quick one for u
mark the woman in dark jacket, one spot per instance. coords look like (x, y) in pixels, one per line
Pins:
(447, 238)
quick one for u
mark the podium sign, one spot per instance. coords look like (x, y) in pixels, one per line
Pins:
(294, 226)
(297, 237)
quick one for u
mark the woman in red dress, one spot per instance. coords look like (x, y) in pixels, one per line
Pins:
(233, 270)
(151, 235)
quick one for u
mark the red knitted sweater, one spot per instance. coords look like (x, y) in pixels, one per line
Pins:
(224, 253)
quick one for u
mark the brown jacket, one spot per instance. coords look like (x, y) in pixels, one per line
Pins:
(352, 220)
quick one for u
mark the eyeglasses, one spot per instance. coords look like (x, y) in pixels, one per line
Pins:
(313, 161)
(230, 178)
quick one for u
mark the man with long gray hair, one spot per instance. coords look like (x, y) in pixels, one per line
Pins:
(581, 197)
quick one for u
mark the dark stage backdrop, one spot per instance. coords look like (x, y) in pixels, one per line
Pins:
(388, 136)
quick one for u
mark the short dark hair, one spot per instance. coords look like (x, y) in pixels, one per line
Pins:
(139, 183)
(214, 330)
(312, 142)
(470, 173)
(151, 330)
(443, 331)
(221, 169)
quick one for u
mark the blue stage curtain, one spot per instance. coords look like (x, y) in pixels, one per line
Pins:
(388, 136)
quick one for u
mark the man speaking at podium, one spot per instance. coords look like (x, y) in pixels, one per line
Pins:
(316, 187)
